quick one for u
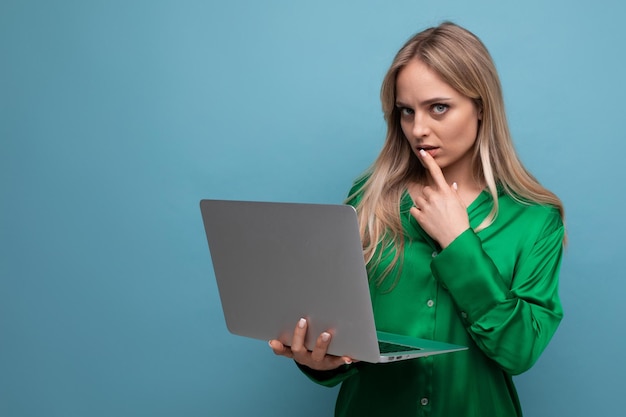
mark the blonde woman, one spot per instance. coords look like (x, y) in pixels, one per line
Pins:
(463, 245)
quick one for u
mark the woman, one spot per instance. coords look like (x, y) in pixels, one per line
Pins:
(462, 244)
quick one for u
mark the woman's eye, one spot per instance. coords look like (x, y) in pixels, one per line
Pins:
(405, 111)
(439, 108)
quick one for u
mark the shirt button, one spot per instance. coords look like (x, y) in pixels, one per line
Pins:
(463, 314)
(430, 303)
(424, 401)
(434, 254)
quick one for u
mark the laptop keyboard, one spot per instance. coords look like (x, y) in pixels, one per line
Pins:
(387, 347)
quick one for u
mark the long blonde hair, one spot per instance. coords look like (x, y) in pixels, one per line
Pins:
(462, 61)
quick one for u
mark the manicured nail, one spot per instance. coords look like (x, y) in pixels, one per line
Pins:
(455, 186)
(422, 152)
(302, 323)
(348, 362)
(325, 336)
(269, 342)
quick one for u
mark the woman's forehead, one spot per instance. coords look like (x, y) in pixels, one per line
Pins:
(418, 82)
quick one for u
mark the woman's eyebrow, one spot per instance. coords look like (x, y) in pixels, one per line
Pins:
(435, 100)
(400, 103)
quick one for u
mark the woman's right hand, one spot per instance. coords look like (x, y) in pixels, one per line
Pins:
(317, 359)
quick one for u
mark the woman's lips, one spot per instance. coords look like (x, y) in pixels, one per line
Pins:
(430, 149)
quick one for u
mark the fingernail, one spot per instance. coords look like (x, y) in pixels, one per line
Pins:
(302, 323)
(325, 336)
(269, 342)
(422, 152)
(455, 186)
(348, 362)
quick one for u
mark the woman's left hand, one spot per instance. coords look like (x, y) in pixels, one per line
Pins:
(439, 209)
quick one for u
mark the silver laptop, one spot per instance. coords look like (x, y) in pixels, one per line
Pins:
(277, 262)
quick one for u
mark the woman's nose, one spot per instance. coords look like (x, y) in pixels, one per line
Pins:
(420, 126)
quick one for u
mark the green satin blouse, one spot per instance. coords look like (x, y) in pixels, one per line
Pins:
(495, 291)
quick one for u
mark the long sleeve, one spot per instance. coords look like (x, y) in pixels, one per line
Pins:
(511, 318)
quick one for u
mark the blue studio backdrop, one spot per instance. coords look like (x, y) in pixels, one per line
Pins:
(117, 117)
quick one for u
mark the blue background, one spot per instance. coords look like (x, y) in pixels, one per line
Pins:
(117, 117)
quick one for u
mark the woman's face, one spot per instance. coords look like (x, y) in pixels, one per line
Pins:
(437, 118)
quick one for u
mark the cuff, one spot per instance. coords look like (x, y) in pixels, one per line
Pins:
(328, 378)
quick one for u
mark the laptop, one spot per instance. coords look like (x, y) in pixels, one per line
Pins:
(277, 262)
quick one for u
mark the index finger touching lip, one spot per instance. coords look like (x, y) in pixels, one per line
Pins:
(433, 168)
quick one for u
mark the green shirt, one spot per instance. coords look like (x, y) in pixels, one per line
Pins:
(495, 291)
